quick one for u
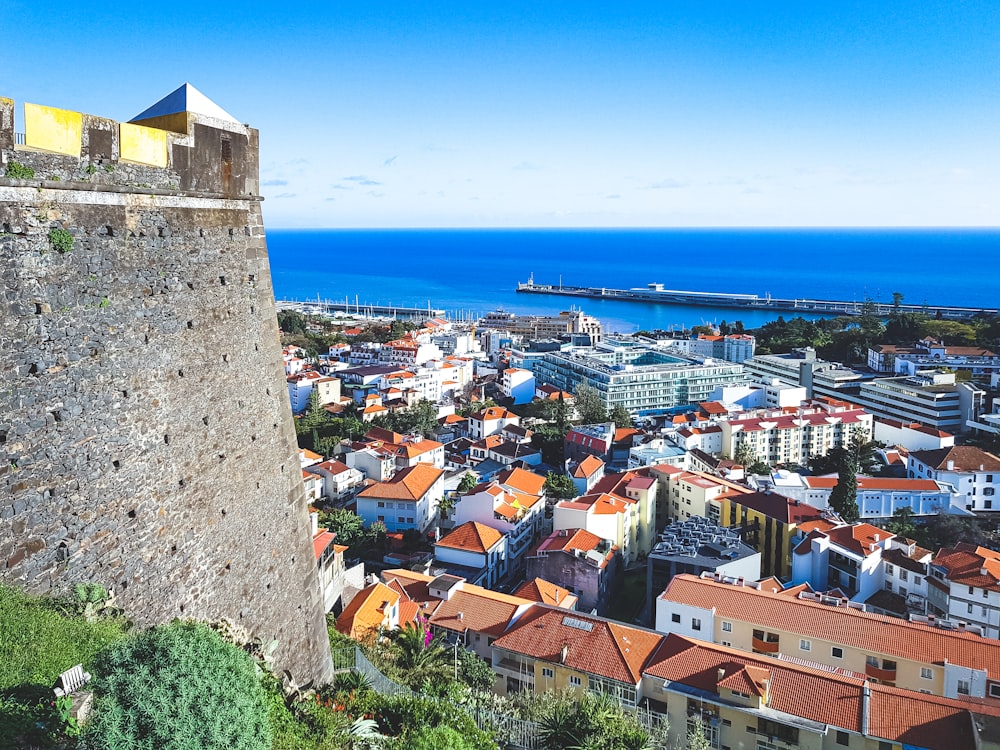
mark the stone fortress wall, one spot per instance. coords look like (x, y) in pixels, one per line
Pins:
(146, 439)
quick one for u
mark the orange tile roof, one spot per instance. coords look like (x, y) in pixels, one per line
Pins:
(593, 645)
(859, 538)
(322, 540)
(599, 503)
(472, 536)
(969, 565)
(305, 453)
(540, 590)
(412, 483)
(492, 413)
(877, 483)
(795, 689)
(572, 539)
(779, 507)
(522, 480)
(588, 467)
(877, 634)
(367, 610)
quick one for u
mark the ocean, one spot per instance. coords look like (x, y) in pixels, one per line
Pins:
(471, 271)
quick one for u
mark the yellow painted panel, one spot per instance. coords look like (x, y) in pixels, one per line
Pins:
(51, 129)
(143, 145)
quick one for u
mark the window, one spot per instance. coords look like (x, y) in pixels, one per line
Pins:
(903, 575)
(837, 652)
(727, 627)
(575, 681)
(889, 569)
(883, 745)
(695, 623)
(927, 673)
(805, 645)
(995, 690)
(727, 643)
(969, 608)
(675, 617)
(871, 661)
(963, 687)
(547, 672)
(986, 593)
(843, 738)
(988, 491)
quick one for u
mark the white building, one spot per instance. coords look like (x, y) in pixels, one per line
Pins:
(965, 587)
(518, 384)
(407, 501)
(929, 397)
(300, 387)
(912, 435)
(802, 368)
(490, 421)
(339, 480)
(476, 551)
(974, 473)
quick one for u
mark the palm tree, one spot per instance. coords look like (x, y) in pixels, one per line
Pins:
(421, 656)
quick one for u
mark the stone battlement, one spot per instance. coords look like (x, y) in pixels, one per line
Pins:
(185, 152)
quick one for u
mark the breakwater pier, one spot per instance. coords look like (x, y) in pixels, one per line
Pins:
(656, 294)
(363, 309)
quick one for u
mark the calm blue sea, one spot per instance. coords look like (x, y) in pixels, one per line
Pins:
(473, 271)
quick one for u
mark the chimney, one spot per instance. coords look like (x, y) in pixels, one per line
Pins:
(563, 654)
(720, 674)
(951, 465)
(459, 616)
(876, 537)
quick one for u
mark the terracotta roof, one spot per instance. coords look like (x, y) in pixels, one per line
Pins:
(321, 541)
(569, 539)
(859, 538)
(593, 645)
(878, 483)
(966, 458)
(411, 483)
(332, 466)
(598, 502)
(367, 610)
(924, 721)
(802, 691)
(969, 565)
(540, 590)
(472, 536)
(493, 413)
(625, 433)
(588, 467)
(877, 634)
(522, 480)
(748, 679)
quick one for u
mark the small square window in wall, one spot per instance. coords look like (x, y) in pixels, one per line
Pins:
(695, 623)
(837, 652)
(805, 645)
(843, 738)
(575, 681)
(675, 617)
(727, 627)
(546, 672)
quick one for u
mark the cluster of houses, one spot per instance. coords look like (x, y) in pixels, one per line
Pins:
(767, 620)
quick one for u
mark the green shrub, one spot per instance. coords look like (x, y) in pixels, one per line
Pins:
(61, 240)
(177, 687)
(18, 171)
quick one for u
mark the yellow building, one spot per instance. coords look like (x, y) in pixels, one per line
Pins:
(833, 632)
(551, 649)
(748, 702)
(769, 521)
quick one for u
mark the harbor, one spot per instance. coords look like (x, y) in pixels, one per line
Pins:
(656, 293)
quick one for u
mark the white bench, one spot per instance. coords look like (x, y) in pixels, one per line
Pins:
(72, 680)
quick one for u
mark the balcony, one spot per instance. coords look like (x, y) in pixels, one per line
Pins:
(882, 675)
(764, 647)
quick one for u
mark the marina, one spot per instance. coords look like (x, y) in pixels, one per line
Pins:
(657, 294)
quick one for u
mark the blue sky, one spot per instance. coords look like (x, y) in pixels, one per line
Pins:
(382, 114)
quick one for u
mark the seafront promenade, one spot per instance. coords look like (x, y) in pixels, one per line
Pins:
(656, 294)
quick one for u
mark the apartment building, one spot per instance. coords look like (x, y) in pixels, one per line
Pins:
(801, 367)
(964, 586)
(833, 632)
(409, 500)
(929, 397)
(973, 472)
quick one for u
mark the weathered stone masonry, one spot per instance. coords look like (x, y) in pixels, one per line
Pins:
(146, 440)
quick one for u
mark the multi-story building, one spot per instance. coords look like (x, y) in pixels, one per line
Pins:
(973, 472)
(544, 326)
(911, 435)
(832, 632)
(518, 385)
(339, 480)
(697, 546)
(583, 563)
(475, 552)
(976, 361)
(742, 700)
(409, 500)
(929, 397)
(301, 385)
(549, 648)
(877, 497)
(767, 521)
(515, 513)
(847, 557)
(735, 347)
(605, 441)
(644, 380)
(490, 421)
(801, 367)
(964, 586)
(793, 436)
